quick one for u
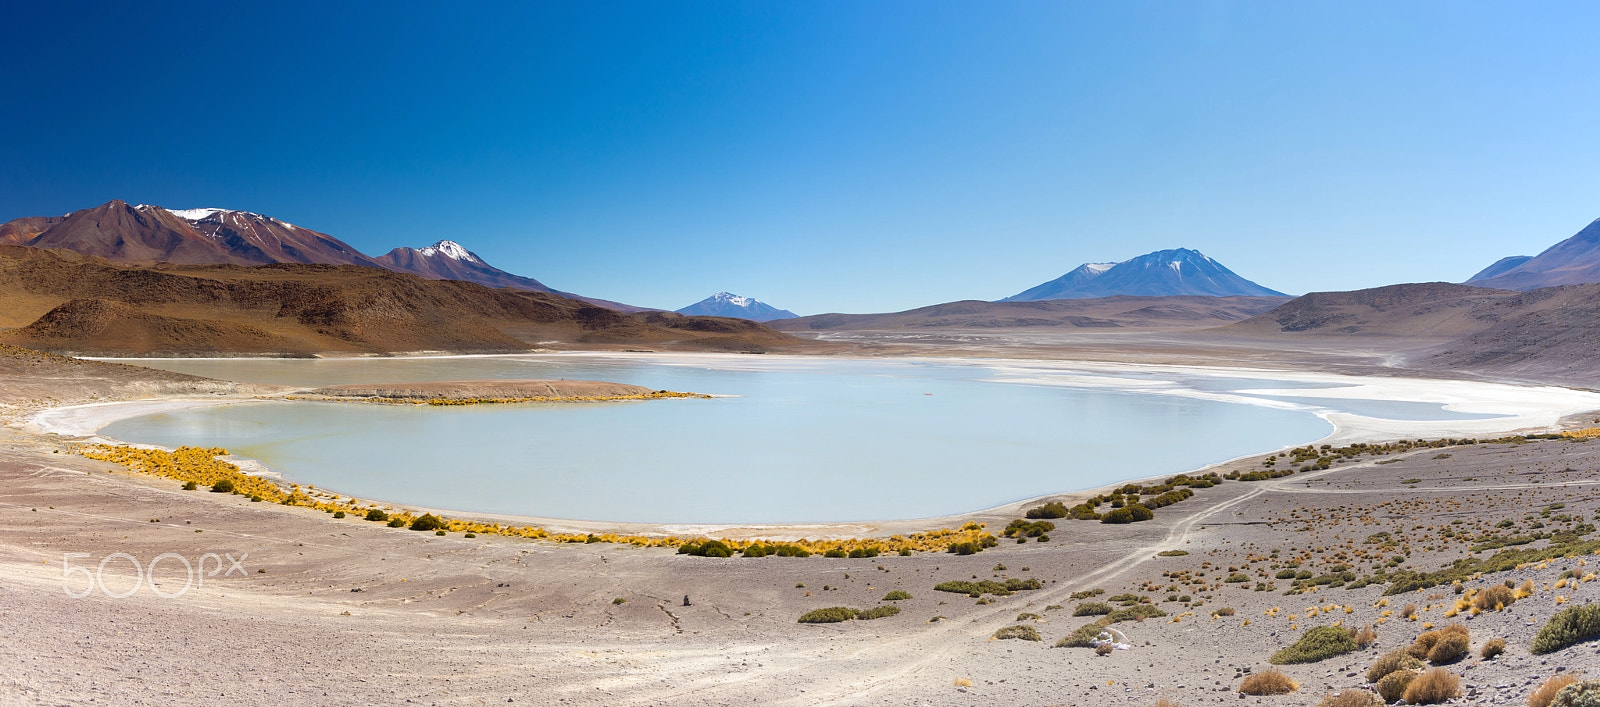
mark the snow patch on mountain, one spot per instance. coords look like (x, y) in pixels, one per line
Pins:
(451, 250)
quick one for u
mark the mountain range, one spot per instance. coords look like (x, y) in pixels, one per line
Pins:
(1164, 273)
(1573, 261)
(726, 304)
(143, 234)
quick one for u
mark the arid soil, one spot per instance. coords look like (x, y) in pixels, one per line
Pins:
(344, 611)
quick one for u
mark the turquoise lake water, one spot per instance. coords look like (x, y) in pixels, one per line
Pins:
(806, 440)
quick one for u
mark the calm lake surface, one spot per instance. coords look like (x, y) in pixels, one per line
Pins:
(806, 440)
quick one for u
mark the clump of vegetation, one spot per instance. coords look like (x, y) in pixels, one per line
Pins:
(1268, 682)
(1087, 593)
(1394, 661)
(877, 612)
(1545, 694)
(1392, 687)
(1445, 645)
(1352, 697)
(1084, 636)
(1028, 616)
(427, 521)
(1224, 611)
(189, 486)
(1051, 510)
(619, 601)
(1031, 529)
(338, 514)
(1138, 612)
(975, 589)
(1131, 513)
(972, 547)
(1495, 646)
(1432, 687)
(830, 615)
(1568, 626)
(1026, 633)
(1579, 694)
(1319, 643)
(1366, 636)
(397, 522)
(708, 548)
(376, 514)
(896, 595)
(222, 486)
(1172, 553)
(1092, 608)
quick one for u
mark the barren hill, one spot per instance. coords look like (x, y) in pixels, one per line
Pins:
(1549, 333)
(1099, 313)
(1573, 261)
(67, 302)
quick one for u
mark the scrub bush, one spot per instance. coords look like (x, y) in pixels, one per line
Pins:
(1568, 626)
(375, 514)
(896, 595)
(223, 486)
(1393, 661)
(1093, 608)
(1432, 687)
(1131, 513)
(1025, 633)
(1319, 643)
(1268, 682)
(830, 615)
(427, 521)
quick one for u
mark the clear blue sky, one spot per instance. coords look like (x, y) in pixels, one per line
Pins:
(831, 156)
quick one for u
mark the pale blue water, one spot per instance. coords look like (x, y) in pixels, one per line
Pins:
(808, 440)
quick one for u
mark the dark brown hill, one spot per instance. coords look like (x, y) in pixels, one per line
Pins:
(1184, 312)
(144, 234)
(1550, 333)
(294, 309)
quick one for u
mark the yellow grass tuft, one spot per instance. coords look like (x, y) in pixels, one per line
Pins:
(1432, 687)
(1546, 692)
(1268, 682)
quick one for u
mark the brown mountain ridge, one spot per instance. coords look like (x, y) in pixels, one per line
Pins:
(67, 302)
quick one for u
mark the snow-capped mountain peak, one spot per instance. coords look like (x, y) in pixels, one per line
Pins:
(734, 299)
(451, 250)
(1175, 272)
(193, 214)
(727, 304)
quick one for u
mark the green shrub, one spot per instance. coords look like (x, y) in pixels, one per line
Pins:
(1025, 633)
(1573, 624)
(1138, 612)
(1020, 528)
(427, 521)
(1319, 643)
(709, 548)
(835, 552)
(1579, 694)
(1236, 578)
(861, 552)
(375, 514)
(470, 535)
(877, 612)
(754, 550)
(397, 522)
(1053, 509)
(1392, 687)
(1087, 593)
(1131, 513)
(619, 600)
(223, 486)
(1083, 636)
(896, 595)
(438, 532)
(338, 514)
(1028, 616)
(830, 615)
(255, 499)
(1172, 553)
(189, 486)
(1093, 608)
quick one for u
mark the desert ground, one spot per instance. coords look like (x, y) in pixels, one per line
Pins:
(303, 608)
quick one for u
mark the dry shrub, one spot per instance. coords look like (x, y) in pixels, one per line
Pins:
(962, 682)
(1546, 693)
(1352, 697)
(1409, 611)
(1393, 686)
(1103, 649)
(1494, 598)
(1424, 643)
(1268, 682)
(1390, 662)
(1579, 694)
(1366, 636)
(1164, 702)
(1432, 687)
(1450, 648)
(1494, 647)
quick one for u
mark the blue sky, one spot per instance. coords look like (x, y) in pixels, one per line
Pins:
(827, 156)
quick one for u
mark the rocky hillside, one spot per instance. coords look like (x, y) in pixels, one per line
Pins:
(67, 302)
